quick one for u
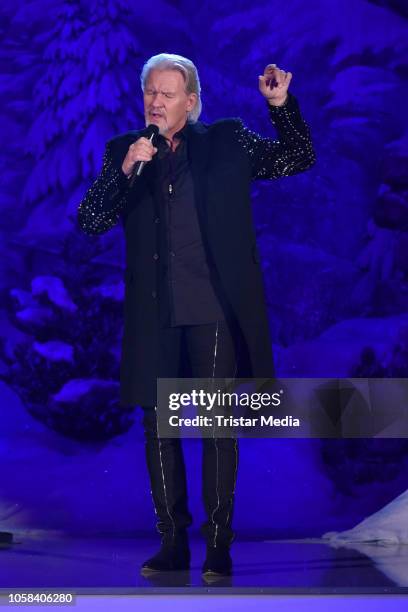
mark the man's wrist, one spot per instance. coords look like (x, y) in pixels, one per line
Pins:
(127, 174)
(274, 103)
(122, 178)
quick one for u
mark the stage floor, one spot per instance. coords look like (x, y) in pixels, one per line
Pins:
(107, 565)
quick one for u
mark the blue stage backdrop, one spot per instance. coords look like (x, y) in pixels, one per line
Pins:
(334, 244)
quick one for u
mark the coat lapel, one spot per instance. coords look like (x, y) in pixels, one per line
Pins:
(199, 152)
(150, 178)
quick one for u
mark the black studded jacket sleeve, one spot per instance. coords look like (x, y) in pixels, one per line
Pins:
(290, 154)
(103, 203)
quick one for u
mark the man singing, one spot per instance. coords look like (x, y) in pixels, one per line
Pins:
(194, 298)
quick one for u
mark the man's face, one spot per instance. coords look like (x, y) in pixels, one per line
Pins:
(166, 102)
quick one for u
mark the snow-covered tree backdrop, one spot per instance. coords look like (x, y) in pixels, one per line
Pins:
(334, 243)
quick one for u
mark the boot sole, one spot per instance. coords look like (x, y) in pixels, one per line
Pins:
(211, 572)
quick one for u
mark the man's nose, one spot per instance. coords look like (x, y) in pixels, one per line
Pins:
(157, 99)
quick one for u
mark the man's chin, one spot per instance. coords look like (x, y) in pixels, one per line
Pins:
(163, 129)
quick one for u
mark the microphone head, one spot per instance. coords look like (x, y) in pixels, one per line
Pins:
(152, 130)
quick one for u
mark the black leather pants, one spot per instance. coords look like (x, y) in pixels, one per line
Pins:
(211, 353)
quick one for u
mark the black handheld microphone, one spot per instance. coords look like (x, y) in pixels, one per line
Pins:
(150, 132)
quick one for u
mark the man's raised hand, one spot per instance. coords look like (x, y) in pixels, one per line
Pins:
(274, 83)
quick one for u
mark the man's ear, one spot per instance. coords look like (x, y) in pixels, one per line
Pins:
(191, 101)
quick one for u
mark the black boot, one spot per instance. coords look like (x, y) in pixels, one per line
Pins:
(220, 464)
(218, 561)
(165, 463)
(173, 556)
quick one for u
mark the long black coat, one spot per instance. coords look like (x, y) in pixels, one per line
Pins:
(224, 157)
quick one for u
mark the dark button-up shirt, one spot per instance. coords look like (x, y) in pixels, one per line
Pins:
(188, 296)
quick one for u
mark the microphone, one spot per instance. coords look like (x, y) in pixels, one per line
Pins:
(150, 132)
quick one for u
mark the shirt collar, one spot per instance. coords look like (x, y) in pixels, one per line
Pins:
(181, 135)
(183, 132)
